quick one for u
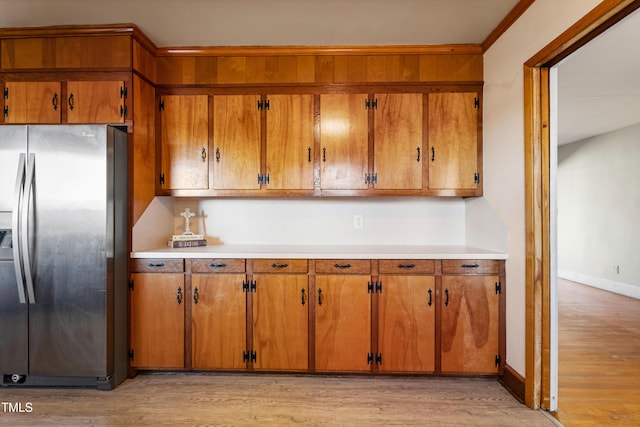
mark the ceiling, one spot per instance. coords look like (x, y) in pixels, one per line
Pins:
(599, 87)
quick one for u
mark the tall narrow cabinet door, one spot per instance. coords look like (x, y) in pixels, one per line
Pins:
(32, 102)
(470, 324)
(406, 324)
(218, 321)
(185, 142)
(290, 157)
(343, 325)
(344, 141)
(157, 320)
(453, 140)
(280, 322)
(95, 102)
(398, 152)
(236, 137)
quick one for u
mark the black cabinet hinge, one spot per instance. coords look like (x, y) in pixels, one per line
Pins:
(123, 111)
(161, 105)
(6, 111)
(248, 356)
(123, 92)
(263, 105)
(248, 286)
(263, 178)
(379, 287)
(162, 179)
(371, 104)
(6, 93)
(131, 284)
(370, 287)
(374, 287)
(131, 355)
(476, 103)
(498, 288)
(371, 178)
(245, 286)
(476, 178)
(374, 358)
(498, 360)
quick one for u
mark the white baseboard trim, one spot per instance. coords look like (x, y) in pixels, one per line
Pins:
(625, 289)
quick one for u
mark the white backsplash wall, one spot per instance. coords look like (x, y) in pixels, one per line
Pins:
(392, 221)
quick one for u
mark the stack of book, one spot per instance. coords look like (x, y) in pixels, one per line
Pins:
(187, 241)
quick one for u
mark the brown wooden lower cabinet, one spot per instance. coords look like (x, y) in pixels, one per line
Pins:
(387, 316)
(157, 314)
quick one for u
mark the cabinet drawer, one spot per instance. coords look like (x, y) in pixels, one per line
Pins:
(343, 266)
(209, 265)
(156, 265)
(280, 266)
(470, 266)
(406, 266)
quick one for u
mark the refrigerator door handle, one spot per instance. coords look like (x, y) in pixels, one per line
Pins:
(25, 228)
(15, 227)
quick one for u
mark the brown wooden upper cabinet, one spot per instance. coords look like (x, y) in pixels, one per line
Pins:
(453, 141)
(87, 102)
(398, 150)
(344, 142)
(185, 142)
(32, 102)
(236, 141)
(96, 102)
(290, 142)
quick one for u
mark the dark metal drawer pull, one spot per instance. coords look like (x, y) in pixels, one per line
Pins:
(470, 265)
(274, 265)
(179, 295)
(152, 264)
(446, 301)
(407, 266)
(319, 296)
(302, 292)
(195, 296)
(342, 266)
(212, 265)
(430, 298)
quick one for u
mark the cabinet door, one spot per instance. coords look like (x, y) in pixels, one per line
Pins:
(280, 322)
(470, 324)
(157, 320)
(406, 325)
(343, 323)
(453, 140)
(185, 142)
(32, 102)
(290, 142)
(344, 141)
(218, 321)
(236, 137)
(95, 102)
(398, 141)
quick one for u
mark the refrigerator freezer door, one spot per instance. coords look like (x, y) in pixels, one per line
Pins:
(69, 216)
(13, 315)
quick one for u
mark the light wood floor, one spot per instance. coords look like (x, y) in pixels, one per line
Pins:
(277, 400)
(598, 357)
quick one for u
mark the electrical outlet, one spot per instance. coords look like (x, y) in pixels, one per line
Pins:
(358, 221)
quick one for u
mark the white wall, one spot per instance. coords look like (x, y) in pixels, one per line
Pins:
(599, 211)
(393, 221)
(503, 138)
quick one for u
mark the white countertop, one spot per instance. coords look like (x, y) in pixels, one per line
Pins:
(324, 252)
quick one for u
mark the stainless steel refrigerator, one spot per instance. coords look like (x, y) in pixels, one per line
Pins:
(63, 255)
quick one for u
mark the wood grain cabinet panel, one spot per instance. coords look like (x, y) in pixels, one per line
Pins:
(32, 102)
(157, 321)
(218, 321)
(343, 323)
(95, 102)
(280, 322)
(453, 140)
(290, 142)
(236, 138)
(406, 323)
(185, 142)
(470, 324)
(398, 151)
(343, 141)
